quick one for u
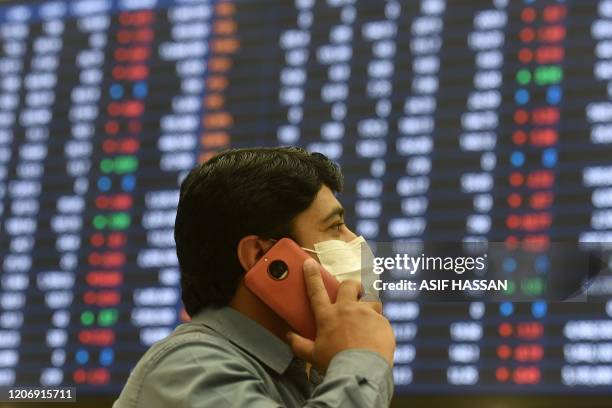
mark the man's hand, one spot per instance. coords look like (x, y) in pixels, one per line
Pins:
(346, 324)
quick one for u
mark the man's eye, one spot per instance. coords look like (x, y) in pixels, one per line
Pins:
(337, 226)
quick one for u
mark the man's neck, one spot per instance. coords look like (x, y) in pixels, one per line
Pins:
(245, 302)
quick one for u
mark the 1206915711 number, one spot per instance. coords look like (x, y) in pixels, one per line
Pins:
(33, 394)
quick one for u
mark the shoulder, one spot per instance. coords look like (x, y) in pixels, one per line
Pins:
(189, 340)
(192, 352)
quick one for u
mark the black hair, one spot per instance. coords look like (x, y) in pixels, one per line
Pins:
(236, 193)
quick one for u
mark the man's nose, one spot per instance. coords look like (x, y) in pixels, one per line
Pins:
(349, 235)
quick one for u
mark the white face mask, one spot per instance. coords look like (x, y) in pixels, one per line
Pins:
(344, 259)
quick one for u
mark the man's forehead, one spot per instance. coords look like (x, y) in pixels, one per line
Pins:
(315, 219)
(324, 202)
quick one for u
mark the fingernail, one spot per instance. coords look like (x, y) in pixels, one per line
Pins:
(310, 263)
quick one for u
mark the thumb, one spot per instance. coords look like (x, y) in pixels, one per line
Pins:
(301, 346)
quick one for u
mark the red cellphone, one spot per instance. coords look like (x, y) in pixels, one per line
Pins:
(278, 280)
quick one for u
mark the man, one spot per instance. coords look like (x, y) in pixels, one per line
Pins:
(236, 351)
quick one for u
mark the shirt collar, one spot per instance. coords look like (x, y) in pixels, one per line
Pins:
(248, 335)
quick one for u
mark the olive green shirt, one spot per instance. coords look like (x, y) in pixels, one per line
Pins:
(224, 359)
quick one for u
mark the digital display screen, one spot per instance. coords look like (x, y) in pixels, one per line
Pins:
(451, 120)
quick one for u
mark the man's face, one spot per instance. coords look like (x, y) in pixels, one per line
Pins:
(322, 221)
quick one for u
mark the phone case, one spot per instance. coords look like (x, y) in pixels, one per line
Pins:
(287, 296)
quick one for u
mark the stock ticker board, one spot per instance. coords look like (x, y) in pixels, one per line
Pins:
(455, 120)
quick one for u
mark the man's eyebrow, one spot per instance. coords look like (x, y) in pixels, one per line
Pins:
(336, 211)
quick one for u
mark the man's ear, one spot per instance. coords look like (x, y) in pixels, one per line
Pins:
(250, 249)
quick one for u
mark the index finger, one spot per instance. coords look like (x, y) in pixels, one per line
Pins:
(319, 299)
